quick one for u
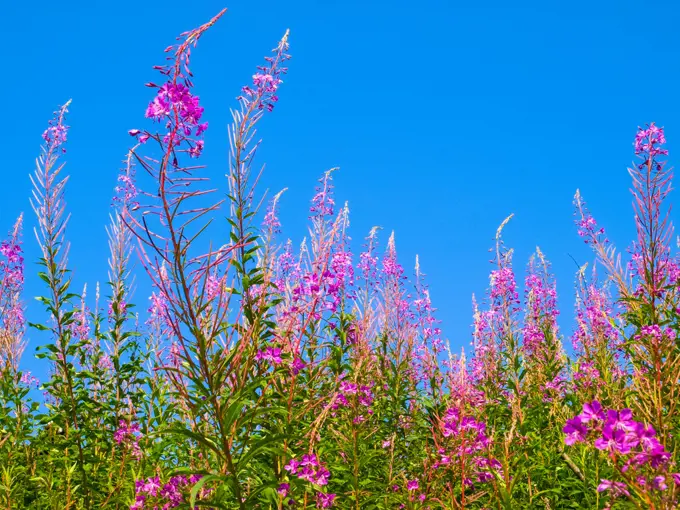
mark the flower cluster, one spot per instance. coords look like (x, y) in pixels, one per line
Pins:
(350, 393)
(271, 220)
(391, 268)
(309, 469)
(176, 99)
(158, 309)
(12, 267)
(593, 311)
(175, 104)
(286, 268)
(587, 227)
(503, 283)
(368, 266)
(113, 308)
(586, 375)
(634, 448)
(541, 304)
(55, 134)
(127, 435)
(214, 287)
(650, 141)
(464, 448)
(29, 380)
(126, 191)
(105, 363)
(12, 321)
(80, 327)
(323, 202)
(324, 500)
(270, 354)
(327, 284)
(656, 335)
(267, 80)
(152, 494)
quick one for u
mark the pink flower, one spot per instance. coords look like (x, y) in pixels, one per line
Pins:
(270, 354)
(309, 460)
(592, 411)
(297, 365)
(659, 483)
(348, 388)
(267, 80)
(292, 466)
(650, 141)
(324, 500)
(196, 150)
(615, 488)
(28, 379)
(56, 134)
(321, 476)
(575, 431)
(152, 486)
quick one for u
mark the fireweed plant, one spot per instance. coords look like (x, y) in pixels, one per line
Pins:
(260, 374)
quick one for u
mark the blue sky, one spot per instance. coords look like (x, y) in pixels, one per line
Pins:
(444, 117)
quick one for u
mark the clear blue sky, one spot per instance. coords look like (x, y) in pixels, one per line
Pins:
(444, 117)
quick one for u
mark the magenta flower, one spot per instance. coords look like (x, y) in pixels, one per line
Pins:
(592, 411)
(309, 460)
(270, 354)
(297, 365)
(650, 141)
(271, 220)
(575, 430)
(152, 494)
(412, 485)
(29, 380)
(321, 476)
(503, 283)
(196, 149)
(324, 500)
(655, 457)
(267, 80)
(158, 310)
(616, 440)
(176, 99)
(307, 474)
(152, 486)
(348, 388)
(615, 488)
(141, 136)
(56, 134)
(621, 420)
(659, 483)
(323, 202)
(292, 466)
